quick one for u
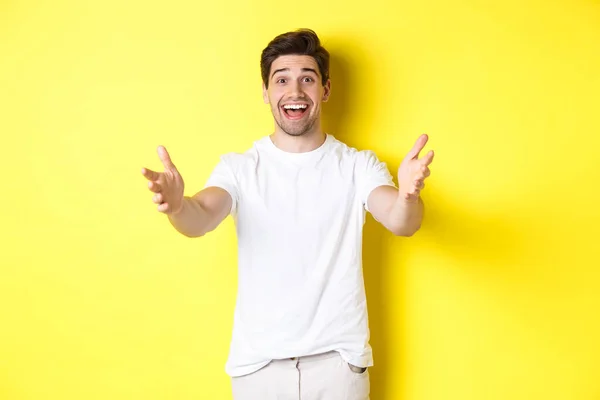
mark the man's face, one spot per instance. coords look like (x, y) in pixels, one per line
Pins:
(295, 94)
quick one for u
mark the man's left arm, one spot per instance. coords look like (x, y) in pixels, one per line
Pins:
(400, 209)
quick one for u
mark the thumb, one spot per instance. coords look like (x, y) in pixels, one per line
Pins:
(163, 154)
(418, 146)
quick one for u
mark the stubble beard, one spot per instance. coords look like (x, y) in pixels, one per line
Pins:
(294, 128)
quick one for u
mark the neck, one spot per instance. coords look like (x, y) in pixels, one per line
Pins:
(298, 144)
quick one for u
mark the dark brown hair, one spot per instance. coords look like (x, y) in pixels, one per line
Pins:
(298, 42)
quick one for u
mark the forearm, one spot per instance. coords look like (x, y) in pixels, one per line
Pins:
(192, 220)
(404, 218)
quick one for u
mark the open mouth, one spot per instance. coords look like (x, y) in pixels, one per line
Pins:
(294, 111)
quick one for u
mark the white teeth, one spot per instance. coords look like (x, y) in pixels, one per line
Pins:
(295, 106)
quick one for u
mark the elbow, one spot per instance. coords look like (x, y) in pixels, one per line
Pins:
(189, 235)
(192, 235)
(405, 231)
(196, 231)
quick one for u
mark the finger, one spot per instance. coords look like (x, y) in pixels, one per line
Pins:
(411, 197)
(419, 184)
(418, 146)
(150, 175)
(163, 154)
(413, 192)
(420, 174)
(163, 208)
(428, 158)
(154, 187)
(157, 198)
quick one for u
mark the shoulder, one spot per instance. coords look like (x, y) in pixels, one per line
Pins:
(240, 160)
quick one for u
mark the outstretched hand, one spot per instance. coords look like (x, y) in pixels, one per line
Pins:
(413, 171)
(167, 185)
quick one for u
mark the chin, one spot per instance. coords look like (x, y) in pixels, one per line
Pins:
(296, 130)
(295, 133)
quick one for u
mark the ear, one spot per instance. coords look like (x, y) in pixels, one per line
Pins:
(326, 90)
(265, 94)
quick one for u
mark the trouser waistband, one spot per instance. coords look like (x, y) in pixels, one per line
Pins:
(313, 357)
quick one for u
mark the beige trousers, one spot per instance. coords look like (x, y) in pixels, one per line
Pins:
(322, 377)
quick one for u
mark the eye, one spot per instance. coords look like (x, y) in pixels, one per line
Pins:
(307, 79)
(280, 80)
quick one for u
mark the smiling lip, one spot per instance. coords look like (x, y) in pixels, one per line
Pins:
(299, 115)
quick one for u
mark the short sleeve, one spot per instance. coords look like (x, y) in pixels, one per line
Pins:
(372, 173)
(223, 177)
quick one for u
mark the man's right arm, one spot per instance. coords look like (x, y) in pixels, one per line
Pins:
(202, 212)
(192, 216)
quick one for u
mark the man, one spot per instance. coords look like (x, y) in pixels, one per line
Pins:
(299, 198)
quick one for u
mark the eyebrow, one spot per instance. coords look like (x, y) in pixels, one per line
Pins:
(287, 69)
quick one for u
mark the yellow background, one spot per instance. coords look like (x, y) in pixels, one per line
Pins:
(497, 297)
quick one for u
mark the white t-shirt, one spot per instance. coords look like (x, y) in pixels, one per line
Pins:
(299, 219)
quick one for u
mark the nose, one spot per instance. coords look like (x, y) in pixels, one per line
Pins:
(296, 90)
